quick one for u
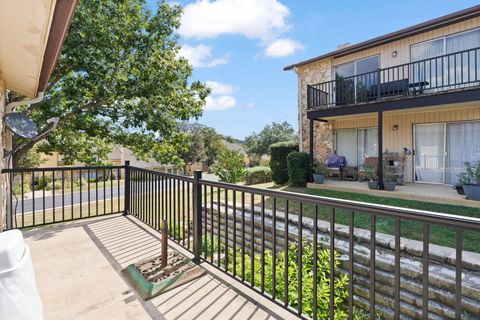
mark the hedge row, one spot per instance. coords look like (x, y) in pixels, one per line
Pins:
(298, 169)
(257, 175)
(278, 160)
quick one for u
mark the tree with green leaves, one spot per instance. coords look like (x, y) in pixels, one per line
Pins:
(230, 166)
(118, 80)
(203, 145)
(258, 144)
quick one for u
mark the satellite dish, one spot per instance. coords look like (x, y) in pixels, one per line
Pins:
(21, 125)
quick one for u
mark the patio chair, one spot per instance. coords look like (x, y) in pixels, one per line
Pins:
(335, 165)
(371, 162)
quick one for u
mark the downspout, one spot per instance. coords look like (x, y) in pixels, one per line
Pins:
(12, 105)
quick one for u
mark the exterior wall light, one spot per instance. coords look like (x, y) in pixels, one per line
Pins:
(395, 127)
(394, 53)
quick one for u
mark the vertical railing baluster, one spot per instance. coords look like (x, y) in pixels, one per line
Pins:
(104, 193)
(205, 222)
(96, 192)
(33, 200)
(111, 190)
(243, 236)
(285, 274)
(183, 213)
(226, 229)
(118, 189)
(274, 249)
(252, 239)
(332, 265)
(234, 251)
(458, 272)
(188, 215)
(262, 250)
(218, 227)
(212, 225)
(299, 257)
(425, 263)
(373, 223)
(351, 264)
(80, 193)
(22, 181)
(396, 292)
(53, 194)
(88, 193)
(43, 194)
(315, 263)
(63, 195)
(171, 222)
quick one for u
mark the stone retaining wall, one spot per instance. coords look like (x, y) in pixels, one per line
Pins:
(441, 267)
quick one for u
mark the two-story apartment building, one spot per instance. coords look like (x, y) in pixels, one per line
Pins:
(413, 94)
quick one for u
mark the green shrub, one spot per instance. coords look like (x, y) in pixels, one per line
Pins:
(230, 167)
(41, 182)
(264, 162)
(58, 185)
(278, 160)
(298, 164)
(257, 175)
(17, 188)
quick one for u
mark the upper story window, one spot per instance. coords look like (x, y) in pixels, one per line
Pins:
(357, 67)
(445, 45)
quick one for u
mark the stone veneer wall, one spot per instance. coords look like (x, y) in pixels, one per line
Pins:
(312, 73)
(3, 185)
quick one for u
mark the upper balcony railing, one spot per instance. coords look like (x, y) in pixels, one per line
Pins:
(451, 71)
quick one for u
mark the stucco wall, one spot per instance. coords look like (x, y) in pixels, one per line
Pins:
(3, 186)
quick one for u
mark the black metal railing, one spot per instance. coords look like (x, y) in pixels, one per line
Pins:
(317, 257)
(40, 196)
(450, 71)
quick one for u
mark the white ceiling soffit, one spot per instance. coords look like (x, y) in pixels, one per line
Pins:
(24, 30)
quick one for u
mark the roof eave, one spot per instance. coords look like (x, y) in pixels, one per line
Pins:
(442, 21)
(62, 17)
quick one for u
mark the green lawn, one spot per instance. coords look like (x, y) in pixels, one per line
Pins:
(409, 229)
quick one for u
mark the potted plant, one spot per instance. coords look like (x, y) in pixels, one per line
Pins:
(320, 170)
(471, 185)
(463, 178)
(371, 177)
(389, 182)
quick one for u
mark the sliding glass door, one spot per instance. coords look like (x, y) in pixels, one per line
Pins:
(463, 145)
(442, 149)
(430, 153)
(356, 144)
(355, 79)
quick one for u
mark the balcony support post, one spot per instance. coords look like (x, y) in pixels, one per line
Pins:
(380, 150)
(197, 215)
(310, 149)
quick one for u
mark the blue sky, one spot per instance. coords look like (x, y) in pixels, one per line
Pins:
(239, 47)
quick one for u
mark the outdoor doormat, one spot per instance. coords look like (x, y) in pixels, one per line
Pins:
(149, 279)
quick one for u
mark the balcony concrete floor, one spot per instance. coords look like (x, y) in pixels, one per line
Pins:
(77, 271)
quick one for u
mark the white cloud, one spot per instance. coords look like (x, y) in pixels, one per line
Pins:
(220, 88)
(254, 19)
(201, 56)
(221, 97)
(282, 48)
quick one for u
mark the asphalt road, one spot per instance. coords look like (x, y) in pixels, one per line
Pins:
(49, 202)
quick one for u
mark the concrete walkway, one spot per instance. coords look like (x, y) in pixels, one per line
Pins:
(411, 191)
(77, 271)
